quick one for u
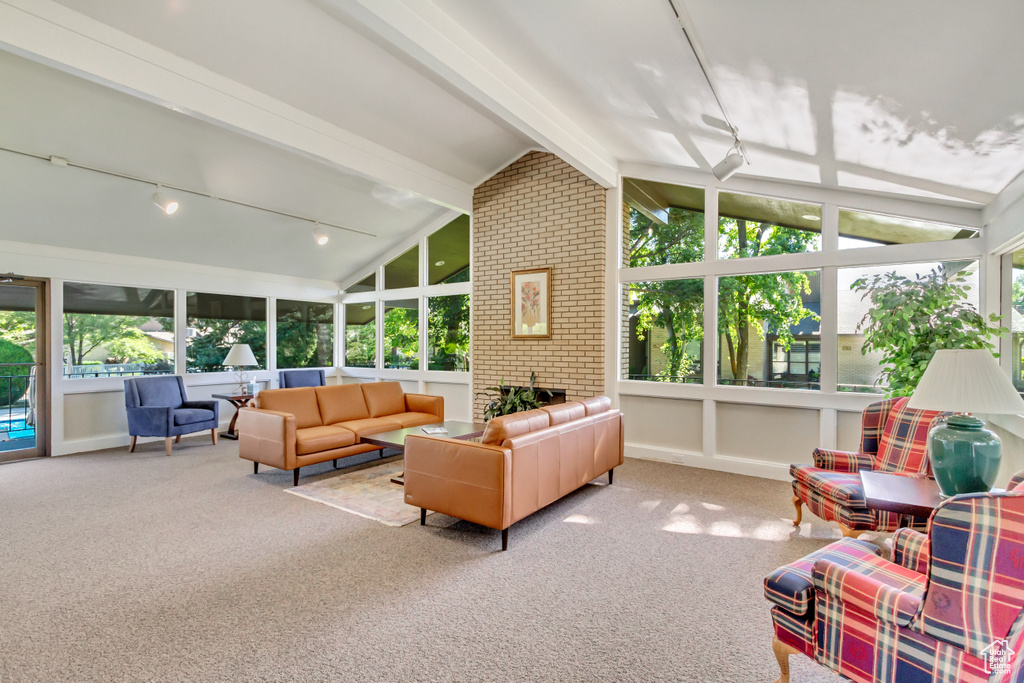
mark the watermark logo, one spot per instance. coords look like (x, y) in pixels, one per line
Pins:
(998, 657)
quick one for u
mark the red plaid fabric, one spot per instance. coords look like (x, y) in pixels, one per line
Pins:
(904, 444)
(791, 586)
(976, 589)
(910, 550)
(841, 487)
(842, 461)
(872, 424)
(794, 630)
(1015, 481)
(874, 585)
(854, 518)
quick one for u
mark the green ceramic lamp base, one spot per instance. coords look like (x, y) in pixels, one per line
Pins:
(965, 456)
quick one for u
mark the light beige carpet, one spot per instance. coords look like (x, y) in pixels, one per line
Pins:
(368, 493)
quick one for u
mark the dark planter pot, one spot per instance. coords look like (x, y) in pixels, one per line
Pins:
(965, 456)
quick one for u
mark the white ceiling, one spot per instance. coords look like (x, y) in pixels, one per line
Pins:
(921, 98)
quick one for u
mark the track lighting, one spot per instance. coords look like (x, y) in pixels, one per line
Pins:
(166, 204)
(319, 235)
(732, 162)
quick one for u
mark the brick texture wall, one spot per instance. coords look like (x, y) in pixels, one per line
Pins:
(539, 212)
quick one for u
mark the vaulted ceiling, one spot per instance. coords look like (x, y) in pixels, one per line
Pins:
(382, 116)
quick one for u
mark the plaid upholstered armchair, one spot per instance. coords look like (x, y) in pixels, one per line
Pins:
(893, 439)
(948, 608)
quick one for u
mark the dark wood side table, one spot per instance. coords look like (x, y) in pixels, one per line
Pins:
(237, 400)
(905, 495)
(396, 438)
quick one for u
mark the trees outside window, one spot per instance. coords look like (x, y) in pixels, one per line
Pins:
(448, 333)
(216, 321)
(305, 334)
(402, 334)
(360, 335)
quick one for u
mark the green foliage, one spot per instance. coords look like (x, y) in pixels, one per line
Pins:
(448, 333)
(19, 327)
(118, 334)
(508, 400)
(14, 380)
(361, 345)
(911, 319)
(401, 338)
(205, 352)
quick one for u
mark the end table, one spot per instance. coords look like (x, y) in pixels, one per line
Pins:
(237, 400)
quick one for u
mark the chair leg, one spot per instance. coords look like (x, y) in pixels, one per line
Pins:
(504, 539)
(295, 476)
(797, 503)
(131, 449)
(611, 475)
(255, 468)
(850, 533)
(167, 445)
(782, 653)
(423, 516)
(213, 435)
(177, 439)
(335, 463)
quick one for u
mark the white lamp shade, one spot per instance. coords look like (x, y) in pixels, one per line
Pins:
(239, 355)
(966, 381)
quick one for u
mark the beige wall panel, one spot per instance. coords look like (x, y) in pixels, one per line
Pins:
(456, 399)
(781, 435)
(94, 414)
(847, 430)
(663, 422)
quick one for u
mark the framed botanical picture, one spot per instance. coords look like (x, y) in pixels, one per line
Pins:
(531, 303)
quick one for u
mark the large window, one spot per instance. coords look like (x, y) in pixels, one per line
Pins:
(666, 331)
(1016, 321)
(367, 284)
(402, 334)
(760, 318)
(404, 271)
(114, 331)
(666, 223)
(216, 321)
(361, 335)
(749, 225)
(448, 253)
(861, 229)
(448, 333)
(860, 371)
(305, 334)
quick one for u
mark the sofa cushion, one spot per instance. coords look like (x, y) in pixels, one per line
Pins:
(191, 416)
(299, 402)
(565, 412)
(597, 404)
(371, 425)
(509, 426)
(341, 402)
(316, 439)
(842, 487)
(383, 398)
(414, 419)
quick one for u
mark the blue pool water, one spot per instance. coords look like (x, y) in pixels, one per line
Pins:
(17, 429)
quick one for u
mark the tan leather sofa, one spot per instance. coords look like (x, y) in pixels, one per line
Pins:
(524, 462)
(291, 428)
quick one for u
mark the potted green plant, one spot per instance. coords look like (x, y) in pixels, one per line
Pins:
(507, 399)
(911, 319)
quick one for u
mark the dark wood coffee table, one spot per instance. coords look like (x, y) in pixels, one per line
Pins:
(905, 495)
(396, 438)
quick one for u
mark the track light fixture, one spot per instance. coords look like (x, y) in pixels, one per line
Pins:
(320, 236)
(732, 162)
(167, 204)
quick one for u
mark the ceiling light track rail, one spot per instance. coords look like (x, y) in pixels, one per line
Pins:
(61, 161)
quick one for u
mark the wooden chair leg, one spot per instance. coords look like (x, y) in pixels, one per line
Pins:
(850, 533)
(797, 503)
(131, 449)
(213, 434)
(177, 439)
(782, 653)
(167, 445)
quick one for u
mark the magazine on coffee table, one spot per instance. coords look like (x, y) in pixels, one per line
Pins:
(435, 430)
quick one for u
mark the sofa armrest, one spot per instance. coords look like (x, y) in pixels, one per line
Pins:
(464, 479)
(150, 420)
(910, 550)
(422, 403)
(865, 593)
(842, 461)
(267, 436)
(205, 405)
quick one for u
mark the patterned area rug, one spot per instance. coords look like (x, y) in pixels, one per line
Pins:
(368, 493)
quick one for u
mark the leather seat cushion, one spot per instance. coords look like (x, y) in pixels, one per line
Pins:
(190, 416)
(383, 398)
(791, 586)
(341, 402)
(372, 425)
(511, 426)
(843, 487)
(414, 419)
(316, 439)
(299, 402)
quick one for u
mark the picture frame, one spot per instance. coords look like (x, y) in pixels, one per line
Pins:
(531, 303)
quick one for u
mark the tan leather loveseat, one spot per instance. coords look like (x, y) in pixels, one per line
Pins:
(291, 428)
(524, 462)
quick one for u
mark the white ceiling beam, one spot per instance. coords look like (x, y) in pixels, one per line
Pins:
(54, 35)
(427, 34)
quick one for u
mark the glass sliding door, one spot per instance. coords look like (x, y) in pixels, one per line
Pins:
(22, 369)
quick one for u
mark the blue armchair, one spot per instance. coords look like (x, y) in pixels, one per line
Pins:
(158, 406)
(290, 379)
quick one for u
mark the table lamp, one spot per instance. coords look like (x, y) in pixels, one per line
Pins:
(965, 456)
(240, 356)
